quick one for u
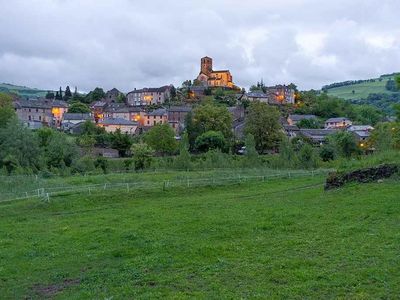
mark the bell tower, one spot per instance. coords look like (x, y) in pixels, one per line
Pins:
(206, 65)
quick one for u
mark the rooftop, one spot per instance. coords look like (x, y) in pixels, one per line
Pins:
(337, 120)
(77, 116)
(301, 117)
(118, 121)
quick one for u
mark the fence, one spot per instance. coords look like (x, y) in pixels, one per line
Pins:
(48, 192)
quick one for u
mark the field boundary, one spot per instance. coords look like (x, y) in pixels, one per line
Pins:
(45, 194)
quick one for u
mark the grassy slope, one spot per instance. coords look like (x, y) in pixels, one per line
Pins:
(258, 240)
(362, 90)
(22, 91)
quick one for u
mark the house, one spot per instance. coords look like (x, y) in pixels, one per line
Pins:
(71, 121)
(98, 109)
(257, 96)
(112, 96)
(45, 111)
(361, 133)
(122, 111)
(337, 123)
(294, 119)
(112, 125)
(211, 78)
(291, 131)
(158, 116)
(317, 136)
(148, 96)
(176, 116)
(280, 94)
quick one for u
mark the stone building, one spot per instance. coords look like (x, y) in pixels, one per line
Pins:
(148, 96)
(209, 77)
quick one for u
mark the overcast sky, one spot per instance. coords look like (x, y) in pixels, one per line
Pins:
(141, 43)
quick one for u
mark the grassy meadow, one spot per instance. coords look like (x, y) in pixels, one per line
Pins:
(361, 90)
(282, 238)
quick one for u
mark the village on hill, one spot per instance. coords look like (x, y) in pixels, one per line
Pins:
(139, 110)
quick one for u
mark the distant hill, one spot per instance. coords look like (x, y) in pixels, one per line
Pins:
(22, 91)
(370, 91)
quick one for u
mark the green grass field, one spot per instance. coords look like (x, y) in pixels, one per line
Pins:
(361, 91)
(275, 239)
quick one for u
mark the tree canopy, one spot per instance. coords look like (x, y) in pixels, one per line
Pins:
(263, 123)
(79, 107)
(7, 111)
(161, 138)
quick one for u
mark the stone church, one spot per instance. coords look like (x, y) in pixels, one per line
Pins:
(208, 77)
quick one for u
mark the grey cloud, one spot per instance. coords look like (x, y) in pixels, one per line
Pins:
(128, 44)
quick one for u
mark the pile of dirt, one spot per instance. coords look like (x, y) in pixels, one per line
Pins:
(337, 180)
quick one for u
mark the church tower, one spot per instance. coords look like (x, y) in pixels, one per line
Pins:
(206, 65)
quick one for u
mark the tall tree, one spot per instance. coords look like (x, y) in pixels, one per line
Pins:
(50, 95)
(79, 107)
(67, 94)
(161, 138)
(263, 123)
(7, 111)
(121, 142)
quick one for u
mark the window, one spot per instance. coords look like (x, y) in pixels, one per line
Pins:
(30, 118)
(37, 110)
(29, 110)
(40, 118)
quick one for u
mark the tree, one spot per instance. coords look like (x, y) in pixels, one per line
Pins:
(210, 140)
(121, 142)
(21, 144)
(67, 94)
(50, 95)
(161, 138)
(397, 79)
(101, 163)
(396, 108)
(142, 156)
(344, 143)
(7, 111)
(287, 155)
(59, 94)
(263, 123)
(309, 123)
(121, 98)
(96, 95)
(60, 152)
(79, 107)
(327, 152)
(210, 117)
(382, 137)
(183, 160)
(87, 142)
(191, 129)
(251, 154)
(307, 157)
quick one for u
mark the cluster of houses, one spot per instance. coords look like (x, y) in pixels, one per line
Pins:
(331, 126)
(134, 116)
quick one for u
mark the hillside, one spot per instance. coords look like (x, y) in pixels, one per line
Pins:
(283, 238)
(361, 90)
(22, 91)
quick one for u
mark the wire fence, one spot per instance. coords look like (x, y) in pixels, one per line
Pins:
(45, 193)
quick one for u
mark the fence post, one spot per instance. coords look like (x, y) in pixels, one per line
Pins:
(48, 197)
(38, 192)
(105, 186)
(127, 187)
(90, 192)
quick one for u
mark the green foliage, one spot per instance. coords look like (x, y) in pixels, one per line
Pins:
(183, 160)
(262, 122)
(67, 94)
(20, 145)
(385, 137)
(307, 157)
(397, 79)
(7, 111)
(142, 156)
(101, 163)
(210, 140)
(287, 154)
(87, 142)
(161, 138)
(251, 154)
(396, 108)
(121, 98)
(327, 152)
(213, 118)
(326, 106)
(79, 108)
(121, 142)
(309, 123)
(50, 95)
(59, 151)
(96, 95)
(344, 143)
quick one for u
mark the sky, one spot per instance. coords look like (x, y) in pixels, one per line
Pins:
(131, 44)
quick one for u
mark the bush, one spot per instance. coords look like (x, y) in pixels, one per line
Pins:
(210, 140)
